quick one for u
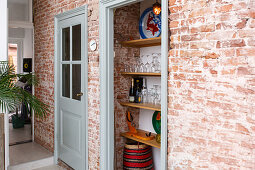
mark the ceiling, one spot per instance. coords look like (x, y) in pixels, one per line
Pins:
(18, 1)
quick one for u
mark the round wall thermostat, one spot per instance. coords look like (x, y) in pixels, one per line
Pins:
(93, 45)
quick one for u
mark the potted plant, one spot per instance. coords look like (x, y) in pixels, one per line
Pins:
(12, 95)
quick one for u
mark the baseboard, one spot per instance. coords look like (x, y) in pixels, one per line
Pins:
(34, 164)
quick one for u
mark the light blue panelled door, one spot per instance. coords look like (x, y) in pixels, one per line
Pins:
(72, 91)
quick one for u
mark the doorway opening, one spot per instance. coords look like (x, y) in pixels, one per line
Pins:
(133, 63)
(20, 147)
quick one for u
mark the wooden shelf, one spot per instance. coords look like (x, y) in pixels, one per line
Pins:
(143, 106)
(153, 142)
(142, 42)
(141, 74)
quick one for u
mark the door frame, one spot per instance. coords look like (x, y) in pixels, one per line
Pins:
(106, 32)
(74, 12)
(4, 57)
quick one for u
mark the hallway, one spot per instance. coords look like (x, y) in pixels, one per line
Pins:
(27, 152)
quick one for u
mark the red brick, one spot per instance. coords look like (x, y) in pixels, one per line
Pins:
(220, 35)
(252, 14)
(204, 28)
(194, 37)
(241, 24)
(251, 42)
(241, 128)
(231, 43)
(246, 33)
(226, 8)
(174, 24)
(211, 56)
(245, 52)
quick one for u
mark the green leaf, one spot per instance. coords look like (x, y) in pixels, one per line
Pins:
(11, 96)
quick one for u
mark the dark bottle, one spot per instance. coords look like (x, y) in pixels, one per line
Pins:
(132, 92)
(138, 95)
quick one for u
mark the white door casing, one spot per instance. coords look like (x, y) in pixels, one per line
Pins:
(4, 57)
(106, 30)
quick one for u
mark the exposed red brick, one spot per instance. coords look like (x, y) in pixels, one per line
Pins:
(246, 33)
(241, 24)
(211, 56)
(226, 8)
(174, 24)
(243, 71)
(252, 23)
(44, 12)
(251, 42)
(245, 52)
(210, 83)
(241, 128)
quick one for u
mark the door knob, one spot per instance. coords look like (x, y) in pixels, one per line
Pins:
(79, 94)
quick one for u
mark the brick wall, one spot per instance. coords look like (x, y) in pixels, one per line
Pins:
(44, 12)
(126, 27)
(211, 119)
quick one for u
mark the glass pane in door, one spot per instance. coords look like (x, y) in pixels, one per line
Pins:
(66, 44)
(76, 33)
(66, 80)
(76, 89)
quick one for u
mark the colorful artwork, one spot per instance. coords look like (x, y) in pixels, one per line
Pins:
(150, 24)
(156, 121)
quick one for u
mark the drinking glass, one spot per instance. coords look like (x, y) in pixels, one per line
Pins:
(155, 94)
(155, 63)
(159, 61)
(147, 67)
(141, 65)
(151, 95)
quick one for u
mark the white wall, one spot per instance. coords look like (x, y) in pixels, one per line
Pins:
(145, 117)
(16, 33)
(18, 11)
(28, 43)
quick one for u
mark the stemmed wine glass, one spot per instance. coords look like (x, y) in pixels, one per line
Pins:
(156, 94)
(147, 67)
(155, 63)
(141, 65)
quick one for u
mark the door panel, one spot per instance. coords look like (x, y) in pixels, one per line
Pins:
(72, 106)
(71, 126)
